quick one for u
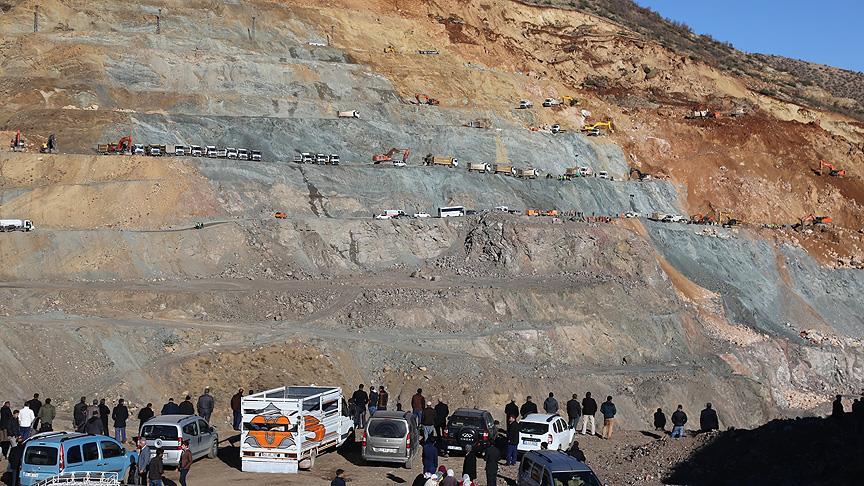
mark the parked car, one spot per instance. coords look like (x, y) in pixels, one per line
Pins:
(51, 453)
(469, 426)
(392, 436)
(548, 468)
(167, 431)
(537, 428)
(422, 215)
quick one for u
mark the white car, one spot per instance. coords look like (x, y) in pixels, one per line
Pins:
(422, 215)
(537, 428)
(632, 214)
(503, 209)
(383, 216)
(603, 174)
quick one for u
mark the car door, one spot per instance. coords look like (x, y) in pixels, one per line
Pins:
(568, 434)
(73, 458)
(205, 436)
(113, 456)
(190, 433)
(90, 454)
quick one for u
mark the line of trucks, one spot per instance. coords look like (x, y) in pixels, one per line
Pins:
(15, 225)
(125, 146)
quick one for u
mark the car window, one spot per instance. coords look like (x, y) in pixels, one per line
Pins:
(203, 427)
(73, 455)
(562, 424)
(386, 429)
(91, 451)
(536, 473)
(191, 429)
(572, 478)
(164, 432)
(547, 480)
(40, 456)
(533, 428)
(111, 449)
(555, 427)
(526, 465)
(465, 421)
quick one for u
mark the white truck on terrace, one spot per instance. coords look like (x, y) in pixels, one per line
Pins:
(16, 225)
(286, 428)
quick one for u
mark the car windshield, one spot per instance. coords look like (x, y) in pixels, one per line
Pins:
(387, 429)
(533, 428)
(164, 432)
(465, 421)
(40, 456)
(573, 478)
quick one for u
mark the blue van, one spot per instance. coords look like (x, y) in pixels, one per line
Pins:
(51, 453)
(554, 468)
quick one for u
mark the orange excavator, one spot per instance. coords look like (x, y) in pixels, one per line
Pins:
(812, 219)
(423, 99)
(18, 144)
(121, 147)
(388, 157)
(832, 171)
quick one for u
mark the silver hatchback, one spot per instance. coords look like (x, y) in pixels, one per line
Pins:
(392, 437)
(166, 431)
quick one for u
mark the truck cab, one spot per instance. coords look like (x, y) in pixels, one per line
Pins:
(211, 151)
(255, 155)
(334, 159)
(179, 151)
(196, 151)
(138, 149)
(242, 154)
(231, 153)
(320, 159)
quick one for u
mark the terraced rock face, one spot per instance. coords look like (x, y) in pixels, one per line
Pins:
(476, 309)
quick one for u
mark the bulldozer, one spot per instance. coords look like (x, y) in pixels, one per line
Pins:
(388, 157)
(832, 171)
(389, 49)
(50, 146)
(423, 99)
(19, 143)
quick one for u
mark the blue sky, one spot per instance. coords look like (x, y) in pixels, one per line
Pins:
(826, 32)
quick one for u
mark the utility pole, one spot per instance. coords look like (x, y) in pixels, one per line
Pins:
(36, 19)
(159, 22)
(252, 35)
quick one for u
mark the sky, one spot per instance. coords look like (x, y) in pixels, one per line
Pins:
(825, 32)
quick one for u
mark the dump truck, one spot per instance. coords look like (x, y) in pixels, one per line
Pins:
(156, 150)
(526, 173)
(505, 169)
(349, 114)
(551, 212)
(334, 159)
(284, 429)
(321, 159)
(655, 216)
(255, 155)
(450, 162)
(210, 151)
(231, 153)
(16, 225)
(478, 167)
(196, 151)
(532, 212)
(180, 151)
(138, 149)
(571, 172)
(525, 104)
(242, 154)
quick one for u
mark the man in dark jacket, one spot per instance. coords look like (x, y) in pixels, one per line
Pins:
(837, 411)
(550, 405)
(608, 410)
(511, 410)
(442, 411)
(575, 452)
(104, 414)
(512, 440)
(589, 409)
(206, 404)
(708, 419)
(156, 469)
(79, 413)
(236, 404)
(120, 415)
(430, 457)
(360, 399)
(574, 411)
(186, 406)
(469, 465)
(528, 407)
(428, 421)
(170, 408)
(338, 480)
(383, 398)
(679, 419)
(35, 404)
(492, 456)
(417, 402)
(5, 422)
(144, 415)
(660, 420)
(93, 425)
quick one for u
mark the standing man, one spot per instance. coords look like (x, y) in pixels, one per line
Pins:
(492, 456)
(469, 465)
(373, 400)
(185, 462)
(156, 469)
(206, 404)
(428, 421)
(511, 410)
(170, 408)
(574, 411)
(120, 415)
(417, 402)
(589, 409)
(442, 411)
(104, 414)
(186, 407)
(46, 416)
(36, 405)
(236, 410)
(528, 407)
(679, 418)
(708, 419)
(430, 456)
(383, 397)
(5, 422)
(79, 414)
(550, 405)
(143, 460)
(144, 415)
(25, 421)
(660, 420)
(837, 411)
(361, 399)
(608, 410)
(512, 440)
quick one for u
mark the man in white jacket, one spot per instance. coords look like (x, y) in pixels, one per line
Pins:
(26, 418)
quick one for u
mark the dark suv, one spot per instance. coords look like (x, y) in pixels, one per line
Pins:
(468, 426)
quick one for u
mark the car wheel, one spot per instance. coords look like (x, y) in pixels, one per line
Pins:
(214, 451)
(409, 464)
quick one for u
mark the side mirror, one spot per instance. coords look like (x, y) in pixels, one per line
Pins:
(212, 429)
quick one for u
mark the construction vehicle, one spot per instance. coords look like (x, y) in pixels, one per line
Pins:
(449, 162)
(428, 52)
(505, 169)
(222, 153)
(594, 128)
(180, 151)
(525, 104)
(532, 212)
(255, 155)
(50, 146)
(550, 102)
(280, 215)
(388, 157)
(333, 160)
(478, 167)
(349, 114)
(479, 123)
(231, 153)
(639, 175)
(390, 49)
(211, 152)
(138, 149)
(242, 154)
(15, 225)
(196, 151)
(811, 220)
(423, 99)
(700, 218)
(658, 216)
(603, 175)
(564, 100)
(832, 171)
(155, 150)
(320, 159)
(552, 212)
(586, 171)
(19, 143)
(702, 114)
(527, 173)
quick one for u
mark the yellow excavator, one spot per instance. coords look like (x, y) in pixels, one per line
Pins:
(594, 128)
